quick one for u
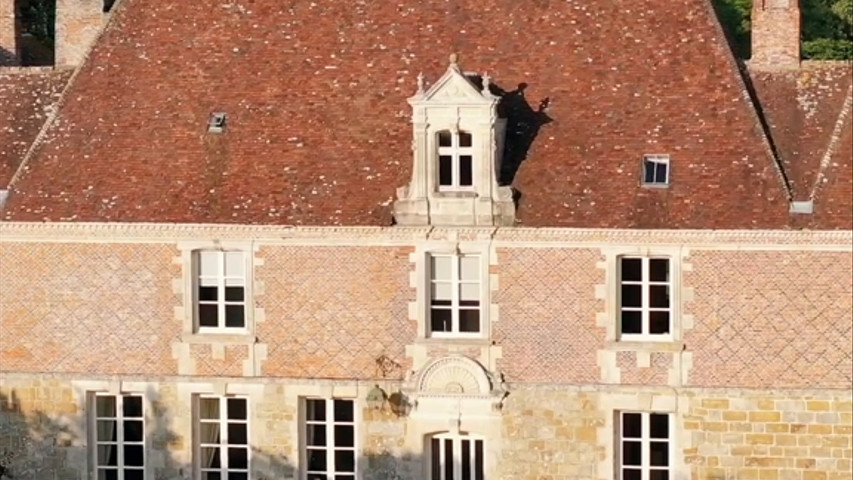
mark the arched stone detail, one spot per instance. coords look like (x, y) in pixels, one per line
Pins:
(454, 375)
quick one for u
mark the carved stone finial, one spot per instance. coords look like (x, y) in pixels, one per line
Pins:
(454, 61)
(487, 80)
(420, 83)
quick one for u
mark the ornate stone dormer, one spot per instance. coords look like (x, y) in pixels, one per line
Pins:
(458, 148)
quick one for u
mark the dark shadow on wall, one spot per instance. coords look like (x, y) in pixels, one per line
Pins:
(523, 123)
(7, 58)
(35, 445)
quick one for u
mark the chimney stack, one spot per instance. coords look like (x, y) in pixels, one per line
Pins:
(78, 23)
(9, 30)
(775, 34)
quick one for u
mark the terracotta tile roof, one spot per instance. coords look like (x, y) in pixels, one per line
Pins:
(318, 126)
(834, 193)
(27, 96)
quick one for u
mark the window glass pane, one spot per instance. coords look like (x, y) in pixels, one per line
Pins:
(659, 475)
(208, 264)
(105, 406)
(210, 457)
(440, 320)
(631, 453)
(344, 461)
(632, 426)
(107, 474)
(632, 295)
(466, 171)
(317, 460)
(469, 321)
(208, 315)
(659, 323)
(133, 430)
(632, 269)
(466, 460)
(464, 139)
(132, 406)
(235, 264)
(238, 457)
(478, 460)
(317, 476)
(469, 268)
(659, 454)
(107, 431)
(236, 408)
(344, 411)
(134, 474)
(238, 475)
(448, 459)
(659, 425)
(208, 408)
(648, 171)
(234, 316)
(344, 436)
(444, 139)
(211, 476)
(441, 267)
(207, 294)
(209, 433)
(233, 294)
(235, 282)
(632, 322)
(238, 434)
(445, 171)
(442, 291)
(659, 269)
(631, 474)
(315, 409)
(660, 173)
(344, 477)
(316, 435)
(469, 291)
(108, 455)
(659, 296)
(133, 455)
(435, 454)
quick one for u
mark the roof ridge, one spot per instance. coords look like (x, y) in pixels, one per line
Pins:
(834, 140)
(749, 94)
(52, 117)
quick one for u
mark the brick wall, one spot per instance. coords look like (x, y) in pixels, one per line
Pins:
(775, 34)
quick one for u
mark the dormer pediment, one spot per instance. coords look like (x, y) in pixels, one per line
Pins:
(453, 88)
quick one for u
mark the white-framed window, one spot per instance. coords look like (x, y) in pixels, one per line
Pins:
(221, 443)
(645, 298)
(456, 457)
(328, 431)
(644, 446)
(455, 295)
(455, 161)
(220, 283)
(118, 436)
(656, 170)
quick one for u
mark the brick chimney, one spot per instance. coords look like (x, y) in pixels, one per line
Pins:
(8, 33)
(775, 34)
(78, 23)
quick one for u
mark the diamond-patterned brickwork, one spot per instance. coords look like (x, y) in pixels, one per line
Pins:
(331, 311)
(95, 308)
(547, 314)
(771, 319)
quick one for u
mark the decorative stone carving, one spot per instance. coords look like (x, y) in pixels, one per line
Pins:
(458, 383)
(455, 104)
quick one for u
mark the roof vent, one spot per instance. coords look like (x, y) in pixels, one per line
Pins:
(217, 122)
(804, 207)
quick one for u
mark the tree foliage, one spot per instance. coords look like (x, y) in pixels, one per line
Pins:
(38, 18)
(827, 27)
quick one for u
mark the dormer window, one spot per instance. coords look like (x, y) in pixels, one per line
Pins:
(656, 170)
(455, 161)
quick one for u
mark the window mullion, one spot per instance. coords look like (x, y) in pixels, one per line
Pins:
(330, 435)
(646, 292)
(223, 429)
(645, 445)
(220, 291)
(454, 295)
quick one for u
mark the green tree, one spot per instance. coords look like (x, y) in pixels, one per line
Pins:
(38, 18)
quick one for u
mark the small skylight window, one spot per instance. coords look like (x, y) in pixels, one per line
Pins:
(216, 123)
(656, 170)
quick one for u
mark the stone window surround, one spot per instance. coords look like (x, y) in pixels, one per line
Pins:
(84, 392)
(609, 319)
(184, 287)
(614, 403)
(420, 279)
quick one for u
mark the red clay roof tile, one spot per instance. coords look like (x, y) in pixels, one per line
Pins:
(318, 126)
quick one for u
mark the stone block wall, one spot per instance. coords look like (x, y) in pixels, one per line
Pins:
(78, 24)
(8, 33)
